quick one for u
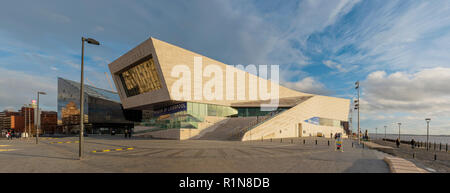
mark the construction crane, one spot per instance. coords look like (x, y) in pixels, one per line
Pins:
(109, 81)
(90, 82)
(107, 78)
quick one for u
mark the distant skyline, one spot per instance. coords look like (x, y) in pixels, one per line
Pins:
(398, 50)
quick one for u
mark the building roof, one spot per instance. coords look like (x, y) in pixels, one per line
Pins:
(166, 57)
(282, 102)
(94, 91)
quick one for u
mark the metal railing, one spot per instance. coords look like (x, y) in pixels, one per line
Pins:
(239, 132)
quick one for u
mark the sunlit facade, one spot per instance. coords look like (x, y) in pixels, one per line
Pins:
(144, 80)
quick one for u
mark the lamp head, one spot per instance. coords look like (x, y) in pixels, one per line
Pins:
(428, 120)
(42, 93)
(92, 41)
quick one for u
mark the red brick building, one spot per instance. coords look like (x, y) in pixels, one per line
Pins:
(24, 121)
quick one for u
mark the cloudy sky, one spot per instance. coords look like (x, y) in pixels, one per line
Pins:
(399, 50)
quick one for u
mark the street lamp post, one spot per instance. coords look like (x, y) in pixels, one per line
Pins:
(357, 107)
(376, 132)
(95, 42)
(38, 122)
(428, 128)
(25, 118)
(399, 130)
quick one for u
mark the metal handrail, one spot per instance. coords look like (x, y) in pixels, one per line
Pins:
(258, 121)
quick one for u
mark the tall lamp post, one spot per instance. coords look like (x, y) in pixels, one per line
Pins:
(25, 118)
(399, 130)
(95, 42)
(428, 128)
(38, 122)
(357, 107)
(376, 132)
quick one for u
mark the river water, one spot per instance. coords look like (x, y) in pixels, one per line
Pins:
(418, 138)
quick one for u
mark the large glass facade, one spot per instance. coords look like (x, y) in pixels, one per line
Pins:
(101, 107)
(186, 115)
(140, 78)
(255, 111)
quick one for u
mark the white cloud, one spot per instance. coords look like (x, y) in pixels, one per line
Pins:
(18, 88)
(308, 85)
(393, 35)
(407, 98)
(334, 65)
(423, 91)
(56, 17)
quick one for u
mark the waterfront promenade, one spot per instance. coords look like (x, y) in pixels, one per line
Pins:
(116, 154)
(420, 156)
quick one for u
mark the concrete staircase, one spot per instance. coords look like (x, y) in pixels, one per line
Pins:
(226, 129)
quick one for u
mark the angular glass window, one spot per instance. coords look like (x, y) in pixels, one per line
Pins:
(140, 78)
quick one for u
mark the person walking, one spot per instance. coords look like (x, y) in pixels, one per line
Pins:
(126, 133)
(412, 143)
(338, 141)
(397, 142)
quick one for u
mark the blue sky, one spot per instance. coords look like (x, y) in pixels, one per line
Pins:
(397, 49)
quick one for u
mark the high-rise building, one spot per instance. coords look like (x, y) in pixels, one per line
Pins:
(5, 119)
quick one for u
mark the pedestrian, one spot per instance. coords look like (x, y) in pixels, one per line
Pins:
(338, 141)
(126, 133)
(397, 142)
(129, 133)
(7, 135)
(412, 143)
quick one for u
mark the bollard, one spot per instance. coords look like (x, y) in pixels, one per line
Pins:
(352, 144)
(303, 141)
(316, 141)
(262, 139)
(440, 149)
(270, 139)
(434, 144)
(363, 145)
(328, 142)
(281, 140)
(414, 155)
(446, 147)
(435, 157)
(292, 141)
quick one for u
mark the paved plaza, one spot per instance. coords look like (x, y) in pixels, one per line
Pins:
(116, 154)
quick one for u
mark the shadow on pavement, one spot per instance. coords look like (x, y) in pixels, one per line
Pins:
(368, 166)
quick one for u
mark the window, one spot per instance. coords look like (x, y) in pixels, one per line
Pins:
(140, 78)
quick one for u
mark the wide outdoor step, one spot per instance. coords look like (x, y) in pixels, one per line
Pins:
(226, 130)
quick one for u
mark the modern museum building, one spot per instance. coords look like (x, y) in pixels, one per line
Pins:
(184, 95)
